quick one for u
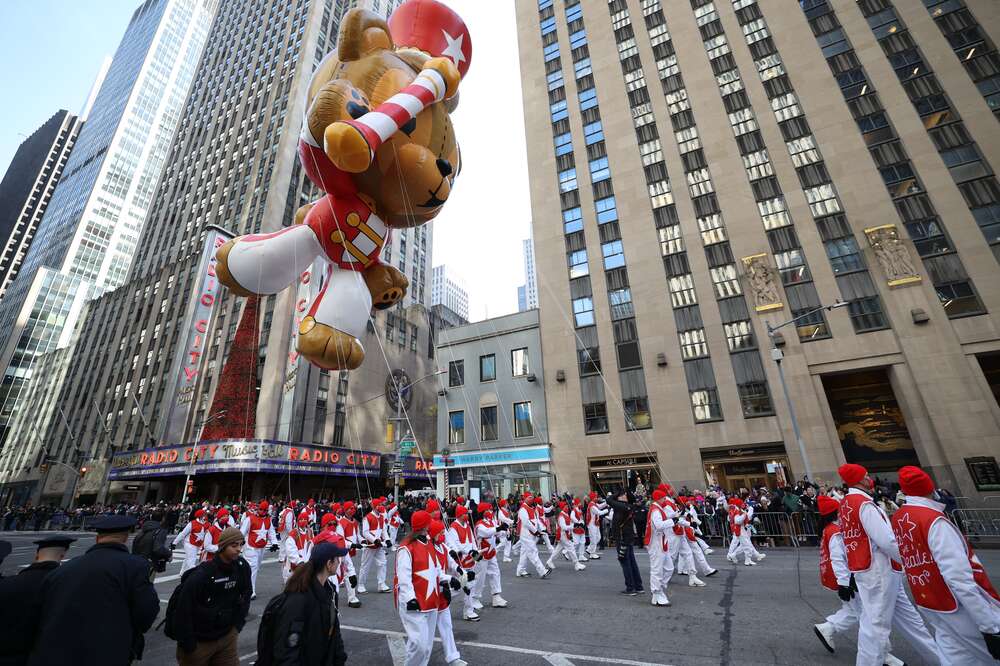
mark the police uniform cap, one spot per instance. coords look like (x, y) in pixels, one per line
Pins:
(112, 524)
(55, 542)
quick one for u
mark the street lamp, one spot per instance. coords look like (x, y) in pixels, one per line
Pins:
(397, 431)
(194, 452)
(777, 355)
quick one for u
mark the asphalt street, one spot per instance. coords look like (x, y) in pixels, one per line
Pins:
(745, 615)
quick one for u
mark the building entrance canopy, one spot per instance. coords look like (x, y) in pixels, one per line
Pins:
(244, 455)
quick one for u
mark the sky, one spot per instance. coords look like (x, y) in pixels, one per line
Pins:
(53, 49)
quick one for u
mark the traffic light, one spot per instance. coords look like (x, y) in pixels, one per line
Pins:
(83, 471)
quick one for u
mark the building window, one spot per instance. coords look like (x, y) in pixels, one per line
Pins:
(693, 343)
(755, 399)
(572, 220)
(739, 335)
(522, 420)
(583, 311)
(637, 414)
(705, 403)
(456, 427)
(519, 362)
(682, 291)
(456, 373)
(577, 264)
(595, 418)
(607, 210)
(726, 281)
(488, 424)
(487, 368)
(613, 255)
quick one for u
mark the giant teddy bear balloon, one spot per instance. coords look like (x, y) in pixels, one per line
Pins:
(378, 140)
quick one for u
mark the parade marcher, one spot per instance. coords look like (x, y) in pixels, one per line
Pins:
(579, 530)
(311, 511)
(21, 610)
(564, 540)
(193, 538)
(692, 517)
(594, 516)
(678, 544)
(286, 523)
(374, 539)
(544, 511)
(740, 530)
(695, 561)
(416, 590)
(505, 528)
(211, 545)
(307, 625)
(259, 534)
(873, 556)
(488, 567)
(528, 528)
(661, 565)
(105, 596)
(212, 604)
(298, 544)
(946, 578)
(463, 550)
(347, 528)
(449, 573)
(395, 522)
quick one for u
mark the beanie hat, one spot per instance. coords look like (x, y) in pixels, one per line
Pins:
(562, 505)
(460, 500)
(658, 495)
(222, 513)
(483, 507)
(263, 506)
(348, 506)
(327, 519)
(915, 481)
(538, 500)
(199, 513)
(503, 502)
(420, 520)
(436, 527)
(335, 507)
(229, 536)
(460, 511)
(851, 473)
(827, 505)
(576, 501)
(432, 505)
(593, 494)
(526, 496)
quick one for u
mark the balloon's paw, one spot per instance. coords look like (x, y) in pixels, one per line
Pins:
(446, 68)
(386, 284)
(329, 348)
(347, 148)
(224, 274)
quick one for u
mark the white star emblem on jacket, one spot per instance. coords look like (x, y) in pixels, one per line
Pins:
(429, 574)
(261, 533)
(454, 48)
(906, 528)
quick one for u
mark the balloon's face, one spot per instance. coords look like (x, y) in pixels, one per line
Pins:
(412, 174)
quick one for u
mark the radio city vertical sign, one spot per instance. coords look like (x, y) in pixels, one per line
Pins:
(193, 340)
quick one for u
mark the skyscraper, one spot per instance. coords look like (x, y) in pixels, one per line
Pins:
(527, 295)
(233, 162)
(445, 290)
(27, 187)
(753, 195)
(89, 234)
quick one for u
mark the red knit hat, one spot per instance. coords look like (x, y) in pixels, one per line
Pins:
(432, 505)
(562, 505)
(827, 505)
(199, 513)
(460, 500)
(576, 501)
(502, 502)
(658, 495)
(348, 505)
(593, 494)
(915, 481)
(335, 507)
(436, 527)
(538, 500)
(327, 519)
(460, 511)
(420, 520)
(851, 473)
(303, 521)
(483, 507)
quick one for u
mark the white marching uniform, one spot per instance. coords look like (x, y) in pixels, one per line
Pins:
(348, 529)
(373, 537)
(298, 546)
(871, 547)
(503, 536)
(594, 515)
(659, 527)
(579, 533)
(488, 566)
(417, 575)
(528, 528)
(259, 534)
(564, 530)
(286, 525)
(445, 628)
(461, 539)
(948, 582)
(193, 537)
(678, 546)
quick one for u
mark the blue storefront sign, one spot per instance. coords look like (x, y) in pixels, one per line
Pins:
(527, 454)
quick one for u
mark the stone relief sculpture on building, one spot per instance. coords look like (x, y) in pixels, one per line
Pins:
(763, 283)
(892, 255)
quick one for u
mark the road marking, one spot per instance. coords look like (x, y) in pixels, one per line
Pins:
(248, 656)
(397, 648)
(508, 648)
(558, 660)
(167, 579)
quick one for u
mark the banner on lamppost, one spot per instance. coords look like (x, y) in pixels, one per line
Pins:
(185, 373)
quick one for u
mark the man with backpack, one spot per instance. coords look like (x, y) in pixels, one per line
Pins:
(151, 543)
(208, 609)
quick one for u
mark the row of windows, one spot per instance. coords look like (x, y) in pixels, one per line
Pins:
(519, 367)
(488, 423)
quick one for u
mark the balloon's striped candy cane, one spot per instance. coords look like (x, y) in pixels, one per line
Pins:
(351, 144)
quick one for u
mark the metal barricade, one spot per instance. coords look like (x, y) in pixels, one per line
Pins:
(979, 525)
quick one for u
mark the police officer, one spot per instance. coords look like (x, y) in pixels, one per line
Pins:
(96, 607)
(21, 608)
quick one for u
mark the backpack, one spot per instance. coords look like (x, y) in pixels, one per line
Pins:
(265, 632)
(168, 619)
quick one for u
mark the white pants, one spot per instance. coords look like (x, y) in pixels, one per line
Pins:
(746, 545)
(368, 557)
(661, 566)
(503, 544)
(253, 556)
(486, 569)
(595, 538)
(447, 634)
(847, 616)
(734, 547)
(419, 627)
(529, 553)
(548, 542)
(580, 544)
(884, 605)
(564, 546)
(958, 638)
(190, 557)
(700, 563)
(679, 550)
(281, 547)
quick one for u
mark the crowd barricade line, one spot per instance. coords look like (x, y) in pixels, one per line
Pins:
(978, 525)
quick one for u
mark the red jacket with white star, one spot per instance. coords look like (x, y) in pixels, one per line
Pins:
(260, 532)
(417, 574)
